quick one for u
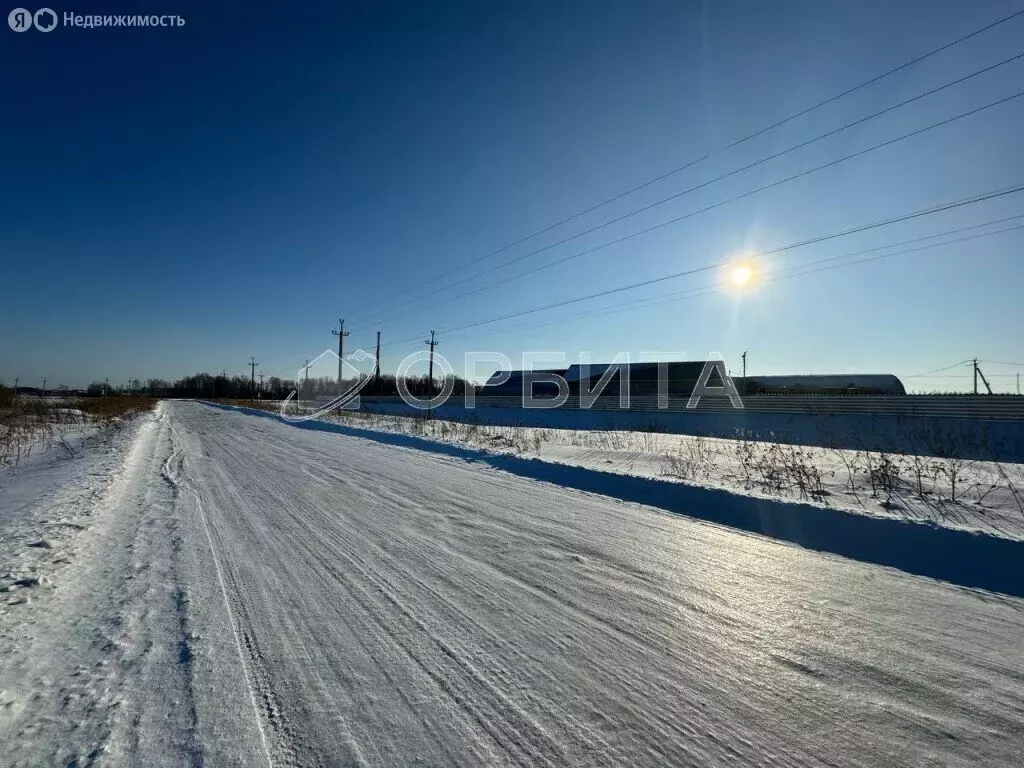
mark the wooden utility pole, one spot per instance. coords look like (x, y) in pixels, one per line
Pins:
(341, 333)
(376, 361)
(252, 377)
(260, 391)
(431, 343)
(988, 387)
(430, 375)
(975, 375)
(744, 365)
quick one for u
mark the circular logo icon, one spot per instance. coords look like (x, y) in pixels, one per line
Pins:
(19, 20)
(45, 20)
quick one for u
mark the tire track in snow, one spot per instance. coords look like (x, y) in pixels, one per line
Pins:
(698, 677)
(315, 527)
(318, 527)
(390, 635)
(635, 641)
(172, 470)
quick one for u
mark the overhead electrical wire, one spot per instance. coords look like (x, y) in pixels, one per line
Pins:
(797, 270)
(705, 209)
(963, 202)
(730, 145)
(662, 298)
(718, 264)
(770, 127)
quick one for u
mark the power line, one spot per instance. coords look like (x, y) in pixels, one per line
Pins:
(772, 276)
(705, 268)
(777, 274)
(691, 214)
(999, 362)
(726, 147)
(640, 303)
(937, 370)
(973, 199)
(914, 250)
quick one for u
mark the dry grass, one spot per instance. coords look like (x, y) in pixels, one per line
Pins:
(28, 423)
(101, 408)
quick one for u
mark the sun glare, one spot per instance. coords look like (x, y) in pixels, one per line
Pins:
(740, 276)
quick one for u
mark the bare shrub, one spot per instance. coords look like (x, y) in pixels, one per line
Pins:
(770, 465)
(955, 470)
(745, 455)
(883, 474)
(804, 473)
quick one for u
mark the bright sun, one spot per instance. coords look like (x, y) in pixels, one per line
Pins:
(740, 276)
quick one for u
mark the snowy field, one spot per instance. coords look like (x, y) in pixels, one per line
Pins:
(210, 587)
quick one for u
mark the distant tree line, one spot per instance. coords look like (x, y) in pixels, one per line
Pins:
(207, 386)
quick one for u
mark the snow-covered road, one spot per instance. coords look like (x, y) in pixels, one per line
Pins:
(256, 594)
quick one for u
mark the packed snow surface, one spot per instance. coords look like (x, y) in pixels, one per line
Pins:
(216, 588)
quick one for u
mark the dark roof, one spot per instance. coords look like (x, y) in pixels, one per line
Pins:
(516, 377)
(881, 382)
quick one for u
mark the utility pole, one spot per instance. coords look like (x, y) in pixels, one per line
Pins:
(430, 375)
(1018, 383)
(744, 365)
(975, 375)
(252, 377)
(106, 385)
(341, 333)
(984, 381)
(44, 387)
(16, 380)
(261, 386)
(377, 360)
(306, 367)
(431, 343)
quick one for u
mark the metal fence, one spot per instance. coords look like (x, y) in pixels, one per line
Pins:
(990, 407)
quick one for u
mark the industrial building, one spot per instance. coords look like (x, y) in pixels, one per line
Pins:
(681, 377)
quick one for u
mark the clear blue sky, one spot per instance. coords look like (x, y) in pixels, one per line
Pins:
(174, 200)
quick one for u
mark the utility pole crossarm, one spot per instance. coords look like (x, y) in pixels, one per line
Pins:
(341, 333)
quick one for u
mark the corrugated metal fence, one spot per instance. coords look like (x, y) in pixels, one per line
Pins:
(990, 407)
